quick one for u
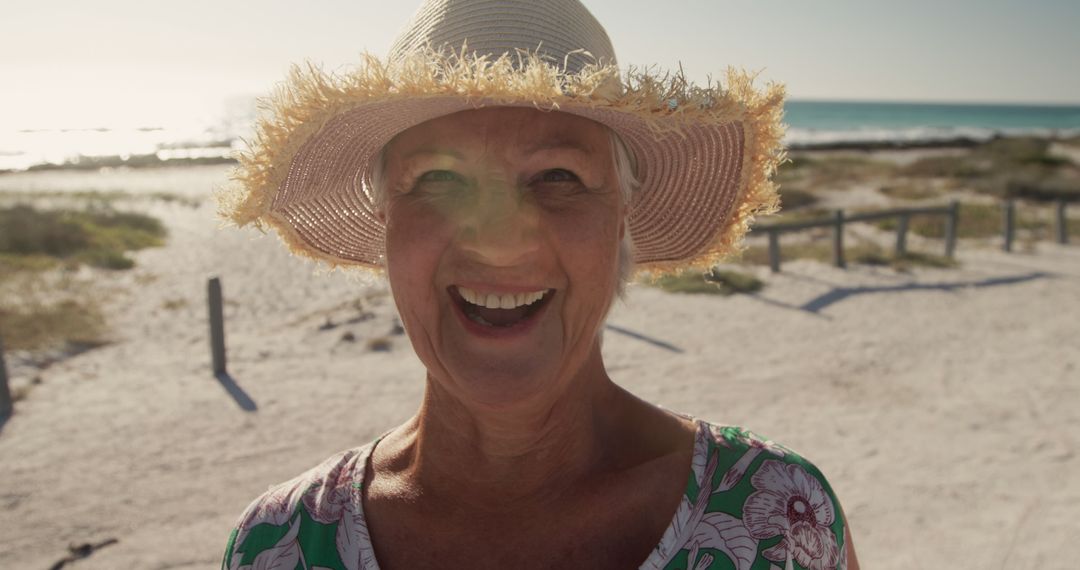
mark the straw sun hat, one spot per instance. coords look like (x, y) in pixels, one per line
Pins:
(704, 155)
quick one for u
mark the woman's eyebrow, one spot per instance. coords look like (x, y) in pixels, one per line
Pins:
(425, 152)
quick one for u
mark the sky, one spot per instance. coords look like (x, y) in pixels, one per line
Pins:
(147, 63)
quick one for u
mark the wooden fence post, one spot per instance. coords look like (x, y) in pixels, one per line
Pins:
(774, 251)
(838, 238)
(952, 221)
(1009, 224)
(901, 235)
(217, 325)
(1062, 222)
(6, 407)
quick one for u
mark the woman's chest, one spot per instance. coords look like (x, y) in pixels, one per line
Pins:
(615, 526)
(522, 544)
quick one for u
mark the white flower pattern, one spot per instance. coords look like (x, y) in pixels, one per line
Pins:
(330, 493)
(791, 503)
(282, 556)
(693, 528)
(755, 445)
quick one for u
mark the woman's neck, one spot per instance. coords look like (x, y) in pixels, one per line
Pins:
(531, 451)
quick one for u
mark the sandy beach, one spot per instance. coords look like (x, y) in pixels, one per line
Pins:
(941, 403)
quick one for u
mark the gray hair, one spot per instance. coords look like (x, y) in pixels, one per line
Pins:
(626, 177)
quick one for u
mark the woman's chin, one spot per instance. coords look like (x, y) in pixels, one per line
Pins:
(502, 383)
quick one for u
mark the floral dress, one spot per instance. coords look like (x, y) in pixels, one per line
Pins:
(749, 504)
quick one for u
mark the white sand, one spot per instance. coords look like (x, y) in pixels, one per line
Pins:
(942, 404)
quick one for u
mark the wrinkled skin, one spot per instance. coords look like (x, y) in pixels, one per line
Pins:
(503, 199)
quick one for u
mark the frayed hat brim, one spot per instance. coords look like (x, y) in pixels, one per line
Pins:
(705, 155)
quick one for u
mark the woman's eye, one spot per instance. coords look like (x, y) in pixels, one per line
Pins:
(557, 175)
(439, 176)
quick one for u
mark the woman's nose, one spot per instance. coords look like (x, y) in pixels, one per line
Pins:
(501, 228)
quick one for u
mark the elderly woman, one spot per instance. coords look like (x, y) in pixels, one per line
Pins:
(508, 192)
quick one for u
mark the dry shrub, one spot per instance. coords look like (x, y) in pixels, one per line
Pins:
(1042, 189)
(910, 191)
(873, 254)
(759, 255)
(1019, 150)
(175, 304)
(33, 326)
(791, 199)
(946, 166)
(379, 344)
(713, 282)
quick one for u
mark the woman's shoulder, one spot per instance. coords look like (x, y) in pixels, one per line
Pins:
(734, 440)
(751, 498)
(743, 456)
(311, 516)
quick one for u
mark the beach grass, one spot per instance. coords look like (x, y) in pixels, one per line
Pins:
(910, 190)
(99, 237)
(40, 306)
(35, 325)
(1020, 150)
(11, 264)
(816, 251)
(833, 172)
(1014, 167)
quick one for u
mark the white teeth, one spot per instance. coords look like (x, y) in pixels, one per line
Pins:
(496, 301)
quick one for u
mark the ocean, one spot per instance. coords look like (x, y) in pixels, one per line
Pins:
(810, 124)
(817, 123)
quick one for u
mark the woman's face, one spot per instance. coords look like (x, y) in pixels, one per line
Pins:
(503, 230)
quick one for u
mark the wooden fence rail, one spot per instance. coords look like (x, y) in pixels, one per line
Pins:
(1008, 223)
(903, 215)
(1061, 222)
(217, 325)
(6, 407)
(839, 219)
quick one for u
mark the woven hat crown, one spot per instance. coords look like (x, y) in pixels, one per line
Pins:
(563, 31)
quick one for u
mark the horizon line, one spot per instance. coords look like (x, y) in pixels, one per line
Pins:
(956, 102)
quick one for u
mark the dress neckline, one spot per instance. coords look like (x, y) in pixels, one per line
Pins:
(655, 558)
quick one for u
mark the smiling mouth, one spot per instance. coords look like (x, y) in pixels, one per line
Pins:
(499, 310)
